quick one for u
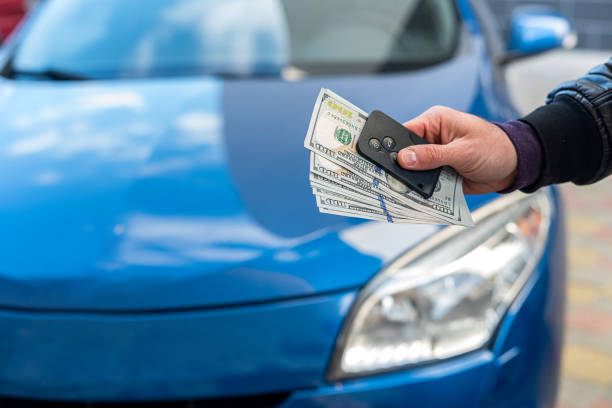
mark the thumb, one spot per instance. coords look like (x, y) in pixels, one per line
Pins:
(427, 156)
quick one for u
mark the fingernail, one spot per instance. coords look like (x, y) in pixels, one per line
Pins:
(408, 157)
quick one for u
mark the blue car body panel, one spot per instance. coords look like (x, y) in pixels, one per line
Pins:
(161, 202)
(536, 30)
(277, 347)
(160, 241)
(84, 356)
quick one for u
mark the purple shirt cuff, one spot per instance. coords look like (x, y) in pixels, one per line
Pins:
(528, 152)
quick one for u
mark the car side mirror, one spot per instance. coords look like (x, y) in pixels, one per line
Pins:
(536, 30)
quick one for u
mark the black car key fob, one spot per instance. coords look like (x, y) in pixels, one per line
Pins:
(380, 141)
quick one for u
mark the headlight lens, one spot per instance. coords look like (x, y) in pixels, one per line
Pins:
(446, 296)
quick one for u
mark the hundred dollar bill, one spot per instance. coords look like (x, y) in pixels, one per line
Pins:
(335, 178)
(325, 190)
(326, 169)
(332, 134)
(329, 194)
(335, 204)
(367, 214)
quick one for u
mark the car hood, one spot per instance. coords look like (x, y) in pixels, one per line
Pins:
(184, 193)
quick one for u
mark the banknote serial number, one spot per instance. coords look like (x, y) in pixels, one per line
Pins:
(343, 121)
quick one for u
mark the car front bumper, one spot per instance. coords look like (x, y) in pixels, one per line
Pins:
(279, 349)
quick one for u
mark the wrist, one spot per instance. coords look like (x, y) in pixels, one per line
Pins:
(528, 155)
(507, 184)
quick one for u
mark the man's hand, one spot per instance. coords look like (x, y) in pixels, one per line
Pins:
(479, 150)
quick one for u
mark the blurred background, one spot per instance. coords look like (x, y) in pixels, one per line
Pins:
(587, 356)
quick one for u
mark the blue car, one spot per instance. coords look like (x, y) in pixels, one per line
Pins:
(160, 243)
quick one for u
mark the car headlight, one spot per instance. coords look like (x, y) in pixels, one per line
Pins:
(446, 296)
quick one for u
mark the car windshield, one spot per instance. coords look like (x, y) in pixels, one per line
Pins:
(146, 38)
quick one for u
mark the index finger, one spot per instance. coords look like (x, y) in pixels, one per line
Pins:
(427, 125)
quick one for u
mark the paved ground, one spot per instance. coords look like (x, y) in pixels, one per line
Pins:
(587, 357)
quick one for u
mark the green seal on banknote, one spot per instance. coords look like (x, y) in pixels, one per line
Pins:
(343, 136)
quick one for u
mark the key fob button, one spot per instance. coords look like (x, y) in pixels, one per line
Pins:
(393, 156)
(374, 144)
(389, 143)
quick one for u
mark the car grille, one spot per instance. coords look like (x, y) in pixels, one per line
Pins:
(257, 401)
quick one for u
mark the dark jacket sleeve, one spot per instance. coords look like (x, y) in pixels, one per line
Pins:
(575, 130)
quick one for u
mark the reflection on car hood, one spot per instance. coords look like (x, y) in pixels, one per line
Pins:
(142, 195)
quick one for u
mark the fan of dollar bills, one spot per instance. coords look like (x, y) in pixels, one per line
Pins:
(344, 183)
